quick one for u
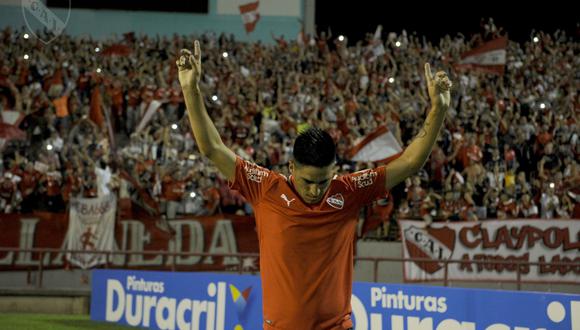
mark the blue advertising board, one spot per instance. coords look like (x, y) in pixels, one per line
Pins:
(378, 306)
(172, 300)
(166, 300)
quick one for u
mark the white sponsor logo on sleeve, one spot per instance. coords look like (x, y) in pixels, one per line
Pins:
(254, 172)
(364, 178)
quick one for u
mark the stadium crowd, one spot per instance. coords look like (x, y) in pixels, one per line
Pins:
(96, 116)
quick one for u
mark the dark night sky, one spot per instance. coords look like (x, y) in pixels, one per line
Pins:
(437, 18)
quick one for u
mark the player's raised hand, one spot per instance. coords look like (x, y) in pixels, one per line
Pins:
(189, 66)
(439, 87)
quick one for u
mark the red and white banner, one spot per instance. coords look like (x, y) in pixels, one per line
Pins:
(91, 228)
(479, 244)
(11, 117)
(379, 146)
(375, 47)
(135, 232)
(489, 57)
(9, 121)
(250, 15)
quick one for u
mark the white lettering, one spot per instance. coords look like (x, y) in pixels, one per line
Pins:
(397, 322)
(415, 323)
(139, 237)
(449, 324)
(145, 286)
(407, 302)
(498, 326)
(360, 313)
(115, 287)
(27, 230)
(198, 307)
(7, 260)
(441, 305)
(165, 321)
(376, 295)
(575, 314)
(150, 302)
(196, 240)
(223, 241)
(169, 313)
(134, 314)
(184, 305)
(376, 321)
(431, 304)
(254, 172)
(364, 178)
(221, 305)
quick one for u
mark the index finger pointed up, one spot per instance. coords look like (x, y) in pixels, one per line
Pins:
(196, 50)
(428, 74)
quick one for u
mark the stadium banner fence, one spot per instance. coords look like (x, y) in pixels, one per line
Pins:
(220, 234)
(493, 250)
(187, 300)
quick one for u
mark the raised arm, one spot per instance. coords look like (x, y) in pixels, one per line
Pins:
(206, 135)
(414, 157)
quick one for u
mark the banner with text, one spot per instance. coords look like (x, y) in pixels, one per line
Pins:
(91, 227)
(169, 300)
(479, 244)
(225, 234)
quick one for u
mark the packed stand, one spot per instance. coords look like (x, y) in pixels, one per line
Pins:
(101, 116)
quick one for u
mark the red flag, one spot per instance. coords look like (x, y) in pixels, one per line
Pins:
(96, 113)
(118, 50)
(379, 146)
(489, 57)
(250, 15)
(148, 202)
(11, 132)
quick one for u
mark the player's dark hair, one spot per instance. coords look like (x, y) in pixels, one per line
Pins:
(314, 147)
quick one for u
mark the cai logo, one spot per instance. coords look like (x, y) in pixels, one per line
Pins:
(433, 243)
(45, 23)
(243, 300)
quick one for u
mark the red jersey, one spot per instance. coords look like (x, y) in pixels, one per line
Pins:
(306, 250)
(173, 190)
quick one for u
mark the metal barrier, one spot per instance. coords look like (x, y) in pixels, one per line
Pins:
(168, 254)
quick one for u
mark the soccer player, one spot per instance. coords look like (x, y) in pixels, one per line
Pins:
(306, 223)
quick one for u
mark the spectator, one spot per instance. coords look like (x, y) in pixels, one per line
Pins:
(550, 203)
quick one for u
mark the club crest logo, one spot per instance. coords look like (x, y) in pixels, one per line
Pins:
(38, 17)
(432, 243)
(336, 201)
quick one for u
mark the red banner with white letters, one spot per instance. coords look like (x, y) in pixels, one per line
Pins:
(220, 234)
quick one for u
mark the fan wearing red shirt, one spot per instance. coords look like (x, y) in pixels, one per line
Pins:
(306, 222)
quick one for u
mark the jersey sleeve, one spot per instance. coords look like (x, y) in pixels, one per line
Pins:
(251, 180)
(367, 185)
